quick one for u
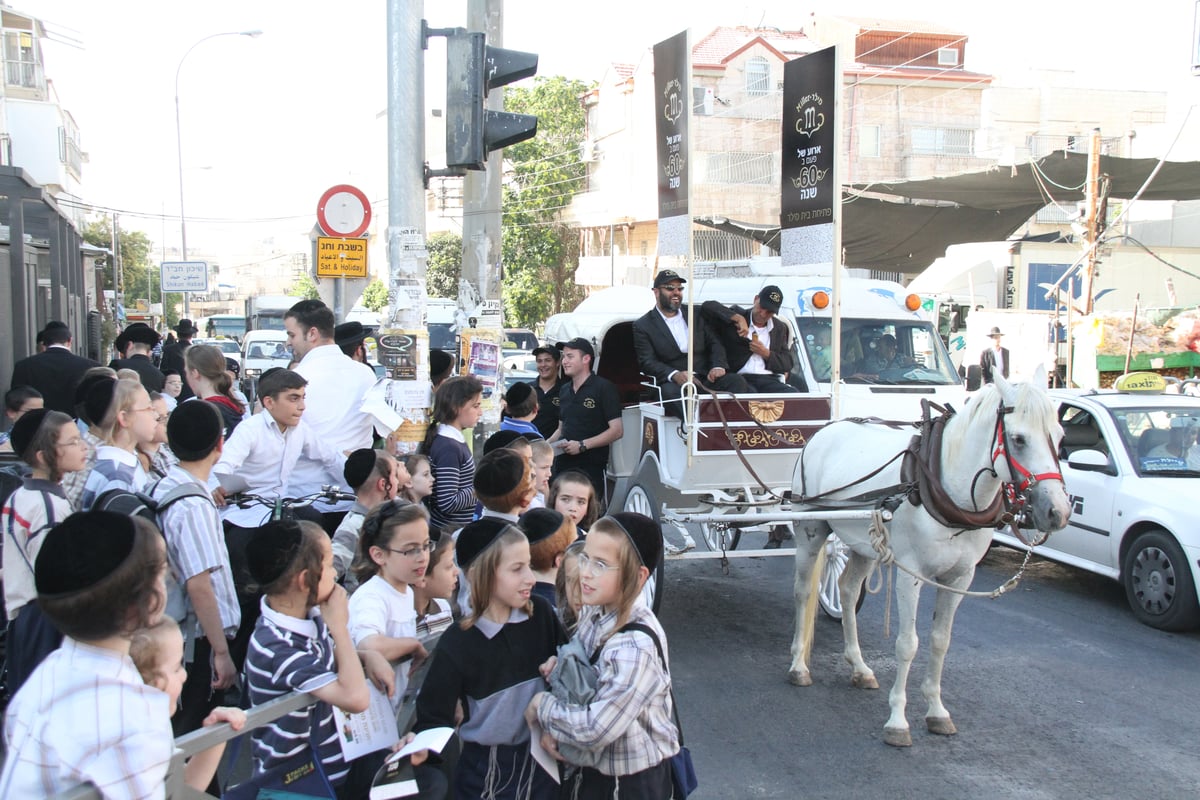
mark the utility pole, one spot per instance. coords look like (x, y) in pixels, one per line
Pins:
(481, 188)
(1093, 220)
(406, 163)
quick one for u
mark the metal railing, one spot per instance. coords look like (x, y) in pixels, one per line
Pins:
(195, 742)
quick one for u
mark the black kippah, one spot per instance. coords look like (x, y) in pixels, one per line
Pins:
(272, 549)
(98, 401)
(477, 537)
(81, 551)
(500, 439)
(644, 534)
(540, 523)
(24, 429)
(194, 426)
(440, 363)
(499, 472)
(85, 385)
(358, 467)
(518, 393)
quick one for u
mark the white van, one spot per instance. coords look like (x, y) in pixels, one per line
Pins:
(262, 350)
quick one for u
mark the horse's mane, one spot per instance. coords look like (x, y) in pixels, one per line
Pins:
(1032, 406)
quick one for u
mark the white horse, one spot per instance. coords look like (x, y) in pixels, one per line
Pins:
(1008, 434)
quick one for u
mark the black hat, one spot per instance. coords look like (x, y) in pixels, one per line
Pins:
(549, 350)
(995, 331)
(770, 298)
(358, 467)
(24, 429)
(186, 327)
(477, 537)
(499, 471)
(579, 343)
(98, 401)
(271, 550)
(440, 363)
(518, 393)
(644, 533)
(81, 551)
(540, 523)
(351, 332)
(138, 332)
(667, 276)
(194, 427)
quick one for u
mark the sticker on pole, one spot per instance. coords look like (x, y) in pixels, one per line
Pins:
(184, 276)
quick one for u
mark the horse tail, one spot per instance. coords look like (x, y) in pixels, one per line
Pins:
(810, 606)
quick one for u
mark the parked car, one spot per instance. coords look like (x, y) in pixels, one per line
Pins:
(262, 350)
(521, 339)
(230, 347)
(1131, 465)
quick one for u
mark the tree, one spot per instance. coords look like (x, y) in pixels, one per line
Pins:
(539, 251)
(305, 288)
(375, 296)
(141, 277)
(444, 266)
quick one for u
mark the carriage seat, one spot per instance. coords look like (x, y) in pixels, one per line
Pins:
(618, 363)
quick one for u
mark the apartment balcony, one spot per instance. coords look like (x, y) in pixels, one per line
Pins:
(614, 270)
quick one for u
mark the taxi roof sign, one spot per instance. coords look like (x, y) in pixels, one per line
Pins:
(1141, 383)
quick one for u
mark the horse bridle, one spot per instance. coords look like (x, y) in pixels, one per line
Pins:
(1016, 494)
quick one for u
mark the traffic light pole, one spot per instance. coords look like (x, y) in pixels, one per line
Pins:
(481, 265)
(406, 163)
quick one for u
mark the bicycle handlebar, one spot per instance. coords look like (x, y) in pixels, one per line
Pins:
(328, 494)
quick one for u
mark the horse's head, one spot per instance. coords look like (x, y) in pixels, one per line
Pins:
(1027, 438)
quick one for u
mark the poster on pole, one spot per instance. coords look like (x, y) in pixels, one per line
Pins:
(672, 93)
(808, 184)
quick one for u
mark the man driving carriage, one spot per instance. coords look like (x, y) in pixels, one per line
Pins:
(758, 345)
(663, 337)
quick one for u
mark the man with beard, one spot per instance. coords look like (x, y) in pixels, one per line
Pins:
(663, 337)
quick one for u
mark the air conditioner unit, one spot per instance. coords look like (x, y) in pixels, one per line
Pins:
(702, 101)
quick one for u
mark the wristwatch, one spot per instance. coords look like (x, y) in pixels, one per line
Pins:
(582, 446)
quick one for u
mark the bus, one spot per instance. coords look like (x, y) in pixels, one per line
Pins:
(230, 326)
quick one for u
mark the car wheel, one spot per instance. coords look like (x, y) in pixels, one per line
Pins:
(1158, 582)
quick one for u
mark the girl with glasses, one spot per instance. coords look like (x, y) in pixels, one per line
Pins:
(393, 555)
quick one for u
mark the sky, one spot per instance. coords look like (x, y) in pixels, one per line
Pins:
(269, 123)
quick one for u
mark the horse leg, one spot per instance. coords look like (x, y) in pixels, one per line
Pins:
(850, 583)
(937, 718)
(908, 589)
(809, 546)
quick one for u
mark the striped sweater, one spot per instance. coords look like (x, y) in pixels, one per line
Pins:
(452, 503)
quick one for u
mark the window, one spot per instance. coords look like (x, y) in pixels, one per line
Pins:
(21, 60)
(943, 141)
(740, 168)
(868, 141)
(947, 57)
(758, 76)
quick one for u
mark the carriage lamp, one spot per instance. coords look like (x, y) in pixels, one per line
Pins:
(820, 300)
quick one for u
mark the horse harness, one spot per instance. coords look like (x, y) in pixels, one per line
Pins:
(921, 477)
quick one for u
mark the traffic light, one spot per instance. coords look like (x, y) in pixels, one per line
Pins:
(472, 70)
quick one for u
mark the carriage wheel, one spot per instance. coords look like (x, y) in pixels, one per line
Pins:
(641, 500)
(830, 596)
(712, 537)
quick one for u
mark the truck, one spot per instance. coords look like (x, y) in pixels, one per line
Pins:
(265, 312)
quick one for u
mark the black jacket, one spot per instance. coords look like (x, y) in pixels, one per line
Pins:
(987, 363)
(737, 348)
(152, 379)
(172, 359)
(54, 373)
(658, 355)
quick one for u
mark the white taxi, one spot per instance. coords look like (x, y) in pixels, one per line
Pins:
(1131, 466)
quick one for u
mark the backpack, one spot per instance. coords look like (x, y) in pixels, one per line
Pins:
(143, 504)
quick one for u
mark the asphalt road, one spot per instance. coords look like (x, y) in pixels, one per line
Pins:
(1057, 692)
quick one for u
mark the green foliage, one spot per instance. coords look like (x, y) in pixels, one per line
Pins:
(141, 277)
(444, 267)
(375, 296)
(540, 253)
(305, 288)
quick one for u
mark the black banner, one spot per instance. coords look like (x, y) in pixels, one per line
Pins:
(809, 140)
(672, 101)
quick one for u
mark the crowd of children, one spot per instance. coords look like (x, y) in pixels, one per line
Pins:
(476, 570)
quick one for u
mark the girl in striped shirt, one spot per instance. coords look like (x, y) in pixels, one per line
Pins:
(457, 405)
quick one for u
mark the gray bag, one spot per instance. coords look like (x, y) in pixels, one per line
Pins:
(573, 680)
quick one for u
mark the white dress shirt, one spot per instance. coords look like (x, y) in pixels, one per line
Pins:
(756, 365)
(333, 398)
(268, 460)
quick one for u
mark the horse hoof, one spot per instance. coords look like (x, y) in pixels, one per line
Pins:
(861, 681)
(940, 725)
(798, 678)
(897, 737)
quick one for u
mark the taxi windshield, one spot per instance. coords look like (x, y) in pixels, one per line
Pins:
(1160, 439)
(877, 351)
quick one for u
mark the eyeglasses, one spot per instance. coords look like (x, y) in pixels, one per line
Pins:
(72, 442)
(414, 551)
(593, 567)
(147, 408)
(673, 288)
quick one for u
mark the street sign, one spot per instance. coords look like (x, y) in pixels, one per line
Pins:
(341, 258)
(184, 276)
(344, 211)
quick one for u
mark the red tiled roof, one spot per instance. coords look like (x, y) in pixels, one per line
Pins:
(715, 49)
(899, 25)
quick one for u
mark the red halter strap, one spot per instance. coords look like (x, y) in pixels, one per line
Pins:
(1015, 467)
